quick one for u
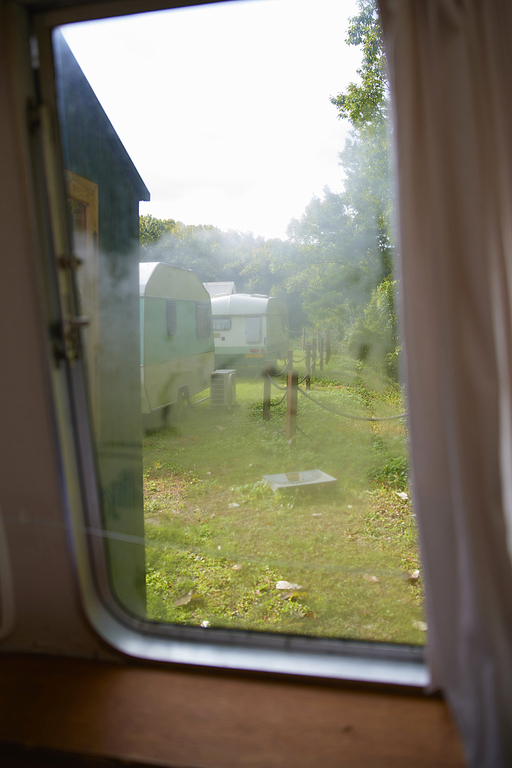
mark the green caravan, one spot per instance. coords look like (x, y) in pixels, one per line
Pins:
(250, 330)
(176, 351)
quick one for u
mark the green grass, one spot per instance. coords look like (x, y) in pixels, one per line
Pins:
(219, 539)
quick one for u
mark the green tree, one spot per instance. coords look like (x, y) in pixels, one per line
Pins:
(366, 102)
(152, 229)
(346, 251)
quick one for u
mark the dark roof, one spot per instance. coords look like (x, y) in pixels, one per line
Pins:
(71, 79)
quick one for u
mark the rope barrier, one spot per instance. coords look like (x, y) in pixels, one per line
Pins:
(274, 384)
(351, 416)
(277, 375)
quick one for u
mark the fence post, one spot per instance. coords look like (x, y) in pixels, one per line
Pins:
(321, 353)
(303, 338)
(289, 365)
(291, 406)
(266, 393)
(308, 366)
(327, 346)
(313, 357)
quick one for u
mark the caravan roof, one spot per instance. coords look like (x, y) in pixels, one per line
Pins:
(248, 304)
(162, 280)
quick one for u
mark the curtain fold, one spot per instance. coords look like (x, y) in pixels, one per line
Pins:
(450, 65)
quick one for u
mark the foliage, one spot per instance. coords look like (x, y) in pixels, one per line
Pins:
(366, 103)
(335, 269)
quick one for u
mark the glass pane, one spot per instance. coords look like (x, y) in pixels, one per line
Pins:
(233, 496)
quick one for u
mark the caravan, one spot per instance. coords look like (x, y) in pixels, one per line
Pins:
(176, 341)
(249, 330)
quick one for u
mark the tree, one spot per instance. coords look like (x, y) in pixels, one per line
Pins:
(151, 229)
(344, 241)
(367, 102)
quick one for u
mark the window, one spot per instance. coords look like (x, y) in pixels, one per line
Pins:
(216, 547)
(221, 324)
(203, 321)
(252, 330)
(170, 307)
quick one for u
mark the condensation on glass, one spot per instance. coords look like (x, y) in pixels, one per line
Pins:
(194, 534)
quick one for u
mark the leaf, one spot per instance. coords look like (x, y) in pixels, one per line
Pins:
(402, 495)
(370, 578)
(412, 577)
(287, 585)
(294, 594)
(420, 625)
(187, 599)
(236, 567)
(233, 505)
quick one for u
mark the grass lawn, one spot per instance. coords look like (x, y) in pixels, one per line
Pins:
(219, 539)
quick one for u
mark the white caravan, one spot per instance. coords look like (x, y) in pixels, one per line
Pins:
(249, 330)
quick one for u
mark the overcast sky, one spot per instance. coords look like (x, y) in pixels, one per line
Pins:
(225, 108)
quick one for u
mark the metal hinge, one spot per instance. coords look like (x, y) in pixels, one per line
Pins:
(65, 332)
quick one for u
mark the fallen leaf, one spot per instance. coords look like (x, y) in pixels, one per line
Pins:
(370, 578)
(287, 585)
(233, 505)
(187, 599)
(402, 495)
(205, 624)
(237, 567)
(420, 625)
(294, 594)
(412, 577)
(317, 514)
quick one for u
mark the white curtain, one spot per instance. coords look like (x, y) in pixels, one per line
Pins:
(450, 64)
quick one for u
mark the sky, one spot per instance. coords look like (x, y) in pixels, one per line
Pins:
(224, 109)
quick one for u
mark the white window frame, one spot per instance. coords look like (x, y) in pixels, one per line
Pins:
(216, 648)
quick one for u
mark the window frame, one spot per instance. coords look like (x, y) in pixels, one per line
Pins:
(360, 661)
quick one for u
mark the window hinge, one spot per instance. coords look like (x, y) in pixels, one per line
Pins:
(65, 330)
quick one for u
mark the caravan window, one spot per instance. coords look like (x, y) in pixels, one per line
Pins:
(171, 317)
(252, 330)
(221, 323)
(197, 536)
(203, 321)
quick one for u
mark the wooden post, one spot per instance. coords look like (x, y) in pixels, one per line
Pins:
(291, 406)
(303, 339)
(313, 358)
(327, 346)
(289, 365)
(321, 353)
(308, 366)
(266, 393)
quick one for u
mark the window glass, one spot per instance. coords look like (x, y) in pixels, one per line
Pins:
(171, 317)
(203, 321)
(221, 323)
(252, 330)
(224, 503)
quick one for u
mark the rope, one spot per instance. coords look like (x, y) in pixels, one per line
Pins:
(274, 384)
(277, 375)
(349, 415)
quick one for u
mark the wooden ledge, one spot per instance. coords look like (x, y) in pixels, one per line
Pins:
(168, 717)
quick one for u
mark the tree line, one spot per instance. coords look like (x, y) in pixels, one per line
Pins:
(336, 266)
